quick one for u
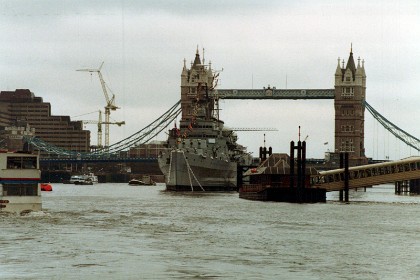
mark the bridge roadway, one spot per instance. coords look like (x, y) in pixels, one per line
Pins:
(273, 93)
(369, 175)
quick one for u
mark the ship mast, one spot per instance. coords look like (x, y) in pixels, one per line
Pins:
(216, 103)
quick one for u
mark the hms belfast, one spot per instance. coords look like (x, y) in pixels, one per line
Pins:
(202, 154)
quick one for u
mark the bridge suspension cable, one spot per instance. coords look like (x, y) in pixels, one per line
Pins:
(154, 128)
(146, 134)
(140, 137)
(407, 138)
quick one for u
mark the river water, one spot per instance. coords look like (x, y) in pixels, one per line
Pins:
(116, 231)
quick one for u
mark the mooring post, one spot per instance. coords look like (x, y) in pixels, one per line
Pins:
(303, 164)
(341, 195)
(292, 164)
(299, 164)
(346, 177)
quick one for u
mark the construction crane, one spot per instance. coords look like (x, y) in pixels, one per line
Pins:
(110, 103)
(99, 122)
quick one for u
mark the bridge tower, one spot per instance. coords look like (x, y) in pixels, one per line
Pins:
(349, 98)
(196, 83)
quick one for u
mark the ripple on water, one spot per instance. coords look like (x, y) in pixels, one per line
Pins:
(115, 231)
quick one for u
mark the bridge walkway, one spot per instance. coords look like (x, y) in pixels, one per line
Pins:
(369, 175)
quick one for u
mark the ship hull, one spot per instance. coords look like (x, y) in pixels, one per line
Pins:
(193, 172)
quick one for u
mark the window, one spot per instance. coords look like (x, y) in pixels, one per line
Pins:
(347, 91)
(20, 189)
(347, 128)
(347, 112)
(21, 162)
(347, 145)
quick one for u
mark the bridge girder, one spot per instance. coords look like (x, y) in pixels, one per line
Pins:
(273, 93)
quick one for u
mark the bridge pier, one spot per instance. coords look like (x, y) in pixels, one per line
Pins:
(407, 186)
(402, 187)
(415, 186)
(344, 163)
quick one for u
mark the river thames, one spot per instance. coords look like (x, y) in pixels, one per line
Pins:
(117, 231)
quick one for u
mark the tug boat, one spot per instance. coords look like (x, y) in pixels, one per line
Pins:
(20, 190)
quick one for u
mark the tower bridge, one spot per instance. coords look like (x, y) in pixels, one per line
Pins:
(349, 95)
(199, 97)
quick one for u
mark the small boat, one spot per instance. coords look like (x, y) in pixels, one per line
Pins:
(86, 182)
(146, 180)
(86, 179)
(136, 182)
(46, 187)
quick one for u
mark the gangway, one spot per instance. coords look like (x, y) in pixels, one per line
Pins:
(369, 175)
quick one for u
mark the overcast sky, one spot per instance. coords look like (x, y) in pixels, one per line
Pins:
(256, 43)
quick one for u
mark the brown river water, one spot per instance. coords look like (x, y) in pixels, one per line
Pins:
(116, 231)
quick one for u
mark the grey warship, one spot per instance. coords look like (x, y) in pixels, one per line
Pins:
(202, 154)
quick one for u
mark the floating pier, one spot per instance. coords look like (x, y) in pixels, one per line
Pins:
(278, 179)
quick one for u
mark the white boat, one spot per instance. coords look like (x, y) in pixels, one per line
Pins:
(146, 180)
(85, 179)
(136, 182)
(20, 175)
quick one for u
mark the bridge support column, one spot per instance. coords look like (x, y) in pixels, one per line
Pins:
(344, 163)
(397, 188)
(415, 186)
(402, 187)
(341, 194)
(346, 177)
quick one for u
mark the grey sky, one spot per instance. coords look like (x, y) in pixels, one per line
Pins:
(143, 44)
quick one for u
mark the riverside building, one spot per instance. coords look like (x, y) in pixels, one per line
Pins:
(21, 108)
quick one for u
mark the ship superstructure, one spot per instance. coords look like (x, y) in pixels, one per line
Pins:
(201, 154)
(20, 175)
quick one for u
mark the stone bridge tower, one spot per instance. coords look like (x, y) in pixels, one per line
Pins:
(196, 82)
(349, 104)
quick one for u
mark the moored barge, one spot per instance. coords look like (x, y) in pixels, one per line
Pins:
(274, 180)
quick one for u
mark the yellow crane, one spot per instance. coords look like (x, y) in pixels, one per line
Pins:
(110, 103)
(99, 122)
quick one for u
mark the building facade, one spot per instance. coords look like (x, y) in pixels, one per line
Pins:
(22, 105)
(349, 104)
